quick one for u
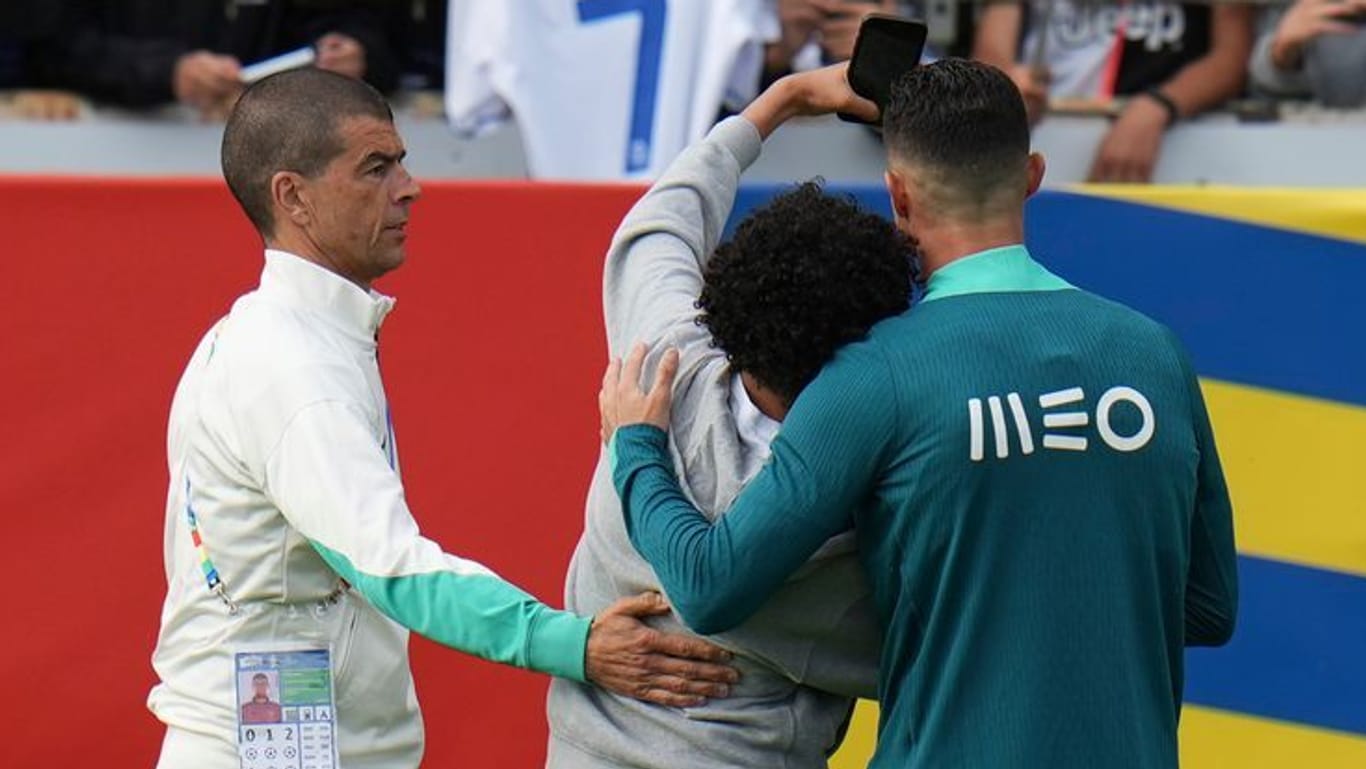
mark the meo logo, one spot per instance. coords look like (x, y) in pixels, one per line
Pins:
(1057, 419)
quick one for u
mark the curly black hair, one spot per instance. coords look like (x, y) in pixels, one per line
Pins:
(803, 275)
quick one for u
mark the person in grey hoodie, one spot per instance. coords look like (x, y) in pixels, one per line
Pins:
(801, 277)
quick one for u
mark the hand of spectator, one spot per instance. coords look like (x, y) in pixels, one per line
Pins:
(342, 54)
(46, 105)
(840, 27)
(1033, 85)
(1306, 20)
(799, 20)
(207, 81)
(1129, 150)
(817, 92)
(632, 659)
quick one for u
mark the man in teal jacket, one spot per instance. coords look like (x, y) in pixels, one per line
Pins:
(1040, 506)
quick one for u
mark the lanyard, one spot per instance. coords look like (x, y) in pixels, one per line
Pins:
(211, 577)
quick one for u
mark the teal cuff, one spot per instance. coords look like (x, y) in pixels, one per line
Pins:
(478, 613)
(633, 447)
(558, 645)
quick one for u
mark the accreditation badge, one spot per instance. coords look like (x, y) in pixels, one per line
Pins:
(286, 711)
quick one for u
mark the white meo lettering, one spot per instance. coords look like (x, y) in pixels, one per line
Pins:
(1067, 420)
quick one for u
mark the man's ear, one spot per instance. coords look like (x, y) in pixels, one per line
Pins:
(900, 196)
(290, 198)
(1036, 171)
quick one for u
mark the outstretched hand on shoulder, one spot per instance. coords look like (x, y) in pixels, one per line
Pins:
(622, 401)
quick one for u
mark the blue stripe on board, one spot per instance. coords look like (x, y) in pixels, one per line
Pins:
(1299, 651)
(1255, 305)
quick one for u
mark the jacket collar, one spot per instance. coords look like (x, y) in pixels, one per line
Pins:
(302, 283)
(1005, 269)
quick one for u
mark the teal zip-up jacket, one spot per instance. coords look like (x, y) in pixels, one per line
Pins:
(1041, 514)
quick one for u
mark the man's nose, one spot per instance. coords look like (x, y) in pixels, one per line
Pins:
(408, 189)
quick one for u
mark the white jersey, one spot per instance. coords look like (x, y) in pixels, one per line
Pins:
(1083, 41)
(602, 89)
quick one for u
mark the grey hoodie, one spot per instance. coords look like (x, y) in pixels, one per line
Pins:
(814, 646)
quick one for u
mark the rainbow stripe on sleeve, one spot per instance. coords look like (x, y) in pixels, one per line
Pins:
(205, 562)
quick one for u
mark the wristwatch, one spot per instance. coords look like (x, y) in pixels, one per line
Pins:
(1158, 95)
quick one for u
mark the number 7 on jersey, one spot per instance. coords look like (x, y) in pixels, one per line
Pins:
(648, 58)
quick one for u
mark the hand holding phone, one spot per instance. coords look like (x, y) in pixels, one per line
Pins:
(886, 48)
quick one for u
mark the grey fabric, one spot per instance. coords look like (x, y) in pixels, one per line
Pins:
(1333, 72)
(1336, 67)
(1266, 77)
(814, 646)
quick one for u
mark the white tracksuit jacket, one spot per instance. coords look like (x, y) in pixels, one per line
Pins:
(280, 443)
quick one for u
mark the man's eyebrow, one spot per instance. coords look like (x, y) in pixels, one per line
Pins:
(388, 157)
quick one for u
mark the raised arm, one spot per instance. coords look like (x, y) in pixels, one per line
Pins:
(654, 268)
(1219, 75)
(653, 273)
(690, 575)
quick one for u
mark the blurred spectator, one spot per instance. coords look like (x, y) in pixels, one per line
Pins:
(45, 105)
(1174, 59)
(145, 52)
(1314, 49)
(24, 24)
(603, 90)
(22, 20)
(420, 40)
(837, 32)
(811, 33)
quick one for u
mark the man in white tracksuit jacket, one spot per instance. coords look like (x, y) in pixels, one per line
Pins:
(286, 524)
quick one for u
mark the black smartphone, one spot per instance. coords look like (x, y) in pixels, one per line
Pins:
(886, 47)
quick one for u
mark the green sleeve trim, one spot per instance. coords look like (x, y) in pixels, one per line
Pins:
(475, 613)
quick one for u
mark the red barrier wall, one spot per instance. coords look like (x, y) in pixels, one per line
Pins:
(491, 361)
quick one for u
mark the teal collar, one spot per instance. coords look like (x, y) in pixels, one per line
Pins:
(1005, 269)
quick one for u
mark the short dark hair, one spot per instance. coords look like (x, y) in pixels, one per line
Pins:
(802, 276)
(288, 122)
(963, 120)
